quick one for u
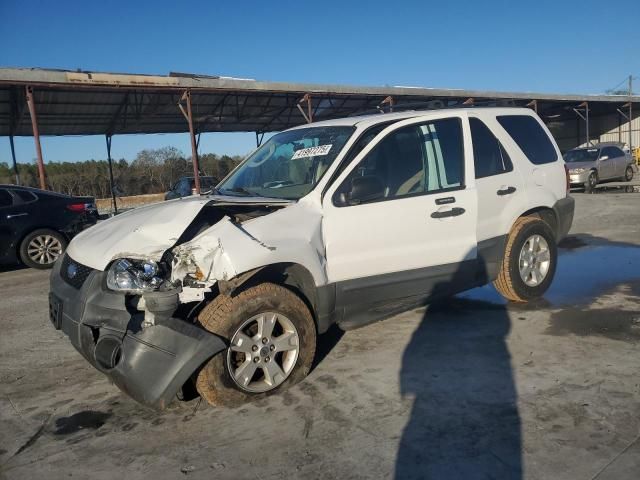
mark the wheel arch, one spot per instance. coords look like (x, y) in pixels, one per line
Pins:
(293, 276)
(546, 214)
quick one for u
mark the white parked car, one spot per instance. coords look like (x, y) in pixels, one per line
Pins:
(324, 224)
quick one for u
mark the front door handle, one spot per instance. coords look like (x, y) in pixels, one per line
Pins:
(24, 214)
(506, 191)
(454, 212)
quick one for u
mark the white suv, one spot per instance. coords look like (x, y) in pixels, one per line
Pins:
(325, 223)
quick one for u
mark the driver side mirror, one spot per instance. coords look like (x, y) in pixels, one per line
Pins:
(363, 189)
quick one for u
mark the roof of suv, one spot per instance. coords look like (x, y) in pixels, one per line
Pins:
(374, 119)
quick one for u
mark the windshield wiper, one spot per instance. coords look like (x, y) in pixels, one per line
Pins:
(240, 190)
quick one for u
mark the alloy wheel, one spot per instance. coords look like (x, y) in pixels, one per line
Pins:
(534, 260)
(44, 249)
(263, 352)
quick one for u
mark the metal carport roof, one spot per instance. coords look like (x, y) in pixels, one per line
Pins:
(89, 103)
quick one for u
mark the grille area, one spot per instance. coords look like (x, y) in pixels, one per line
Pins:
(81, 272)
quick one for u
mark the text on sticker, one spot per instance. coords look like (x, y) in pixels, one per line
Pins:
(312, 151)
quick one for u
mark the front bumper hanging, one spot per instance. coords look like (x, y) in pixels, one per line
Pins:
(149, 363)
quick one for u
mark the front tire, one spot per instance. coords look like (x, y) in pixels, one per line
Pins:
(41, 248)
(529, 262)
(628, 174)
(272, 343)
(591, 183)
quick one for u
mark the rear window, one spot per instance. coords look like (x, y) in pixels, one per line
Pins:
(530, 137)
(6, 200)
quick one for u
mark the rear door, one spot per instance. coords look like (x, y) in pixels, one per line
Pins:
(14, 222)
(415, 233)
(501, 192)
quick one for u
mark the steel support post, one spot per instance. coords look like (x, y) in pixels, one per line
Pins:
(13, 156)
(36, 136)
(111, 182)
(194, 146)
(584, 117)
(309, 115)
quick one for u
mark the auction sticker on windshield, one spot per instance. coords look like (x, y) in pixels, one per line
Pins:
(312, 151)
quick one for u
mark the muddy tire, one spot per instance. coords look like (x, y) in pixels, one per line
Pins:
(628, 174)
(529, 262)
(288, 350)
(41, 248)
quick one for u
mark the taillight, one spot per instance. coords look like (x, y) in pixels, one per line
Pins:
(77, 207)
(568, 180)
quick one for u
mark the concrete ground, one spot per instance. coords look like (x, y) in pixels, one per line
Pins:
(469, 388)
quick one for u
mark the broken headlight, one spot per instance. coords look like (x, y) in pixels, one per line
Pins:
(134, 276)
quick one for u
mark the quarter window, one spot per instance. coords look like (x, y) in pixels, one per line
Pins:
(25, 196)
(6, 200)
(490, 158)
(409, 161)
(530, 137)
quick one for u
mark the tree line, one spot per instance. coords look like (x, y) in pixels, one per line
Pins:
(152, 171)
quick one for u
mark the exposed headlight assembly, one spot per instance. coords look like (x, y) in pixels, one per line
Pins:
(576, 170)
(135, 276)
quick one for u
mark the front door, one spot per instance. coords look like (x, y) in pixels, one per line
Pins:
(399, 221)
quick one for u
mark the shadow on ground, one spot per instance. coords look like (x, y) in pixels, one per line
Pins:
(465, 421)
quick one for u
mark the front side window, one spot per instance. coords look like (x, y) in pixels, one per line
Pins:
(289, 165)
(530, 137)
(412, 160)
(490, 158)
(582, 155)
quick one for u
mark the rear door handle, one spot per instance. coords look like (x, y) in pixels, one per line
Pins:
(506, 191)
(24, 214)
(454, 212)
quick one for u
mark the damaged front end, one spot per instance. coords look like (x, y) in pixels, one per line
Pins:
(130, 313)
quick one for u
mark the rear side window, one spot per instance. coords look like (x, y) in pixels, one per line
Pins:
(530, 137)
(612, 152)
(490, 158)
(25, 196)
(6, 200)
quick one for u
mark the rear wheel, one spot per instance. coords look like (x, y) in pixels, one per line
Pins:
(628, 173)
(529, 262)
(272, 342)
(41, 248)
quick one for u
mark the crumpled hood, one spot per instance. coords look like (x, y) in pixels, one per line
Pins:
(145, 232)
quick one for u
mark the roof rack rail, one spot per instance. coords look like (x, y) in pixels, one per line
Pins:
(436, 105)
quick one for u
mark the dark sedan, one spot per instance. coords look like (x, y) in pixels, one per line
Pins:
(36, 225)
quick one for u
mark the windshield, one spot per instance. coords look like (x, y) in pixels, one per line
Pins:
(289, 165)
(582, 155)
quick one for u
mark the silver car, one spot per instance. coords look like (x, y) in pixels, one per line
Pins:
(606, 161)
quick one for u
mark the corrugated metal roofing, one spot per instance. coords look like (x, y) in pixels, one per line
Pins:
(87, 103)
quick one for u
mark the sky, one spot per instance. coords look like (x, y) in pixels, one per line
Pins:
(542, 46)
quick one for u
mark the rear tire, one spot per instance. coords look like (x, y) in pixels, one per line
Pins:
(41, 248)
(527, 232)
(628, 174)
(222, 380)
